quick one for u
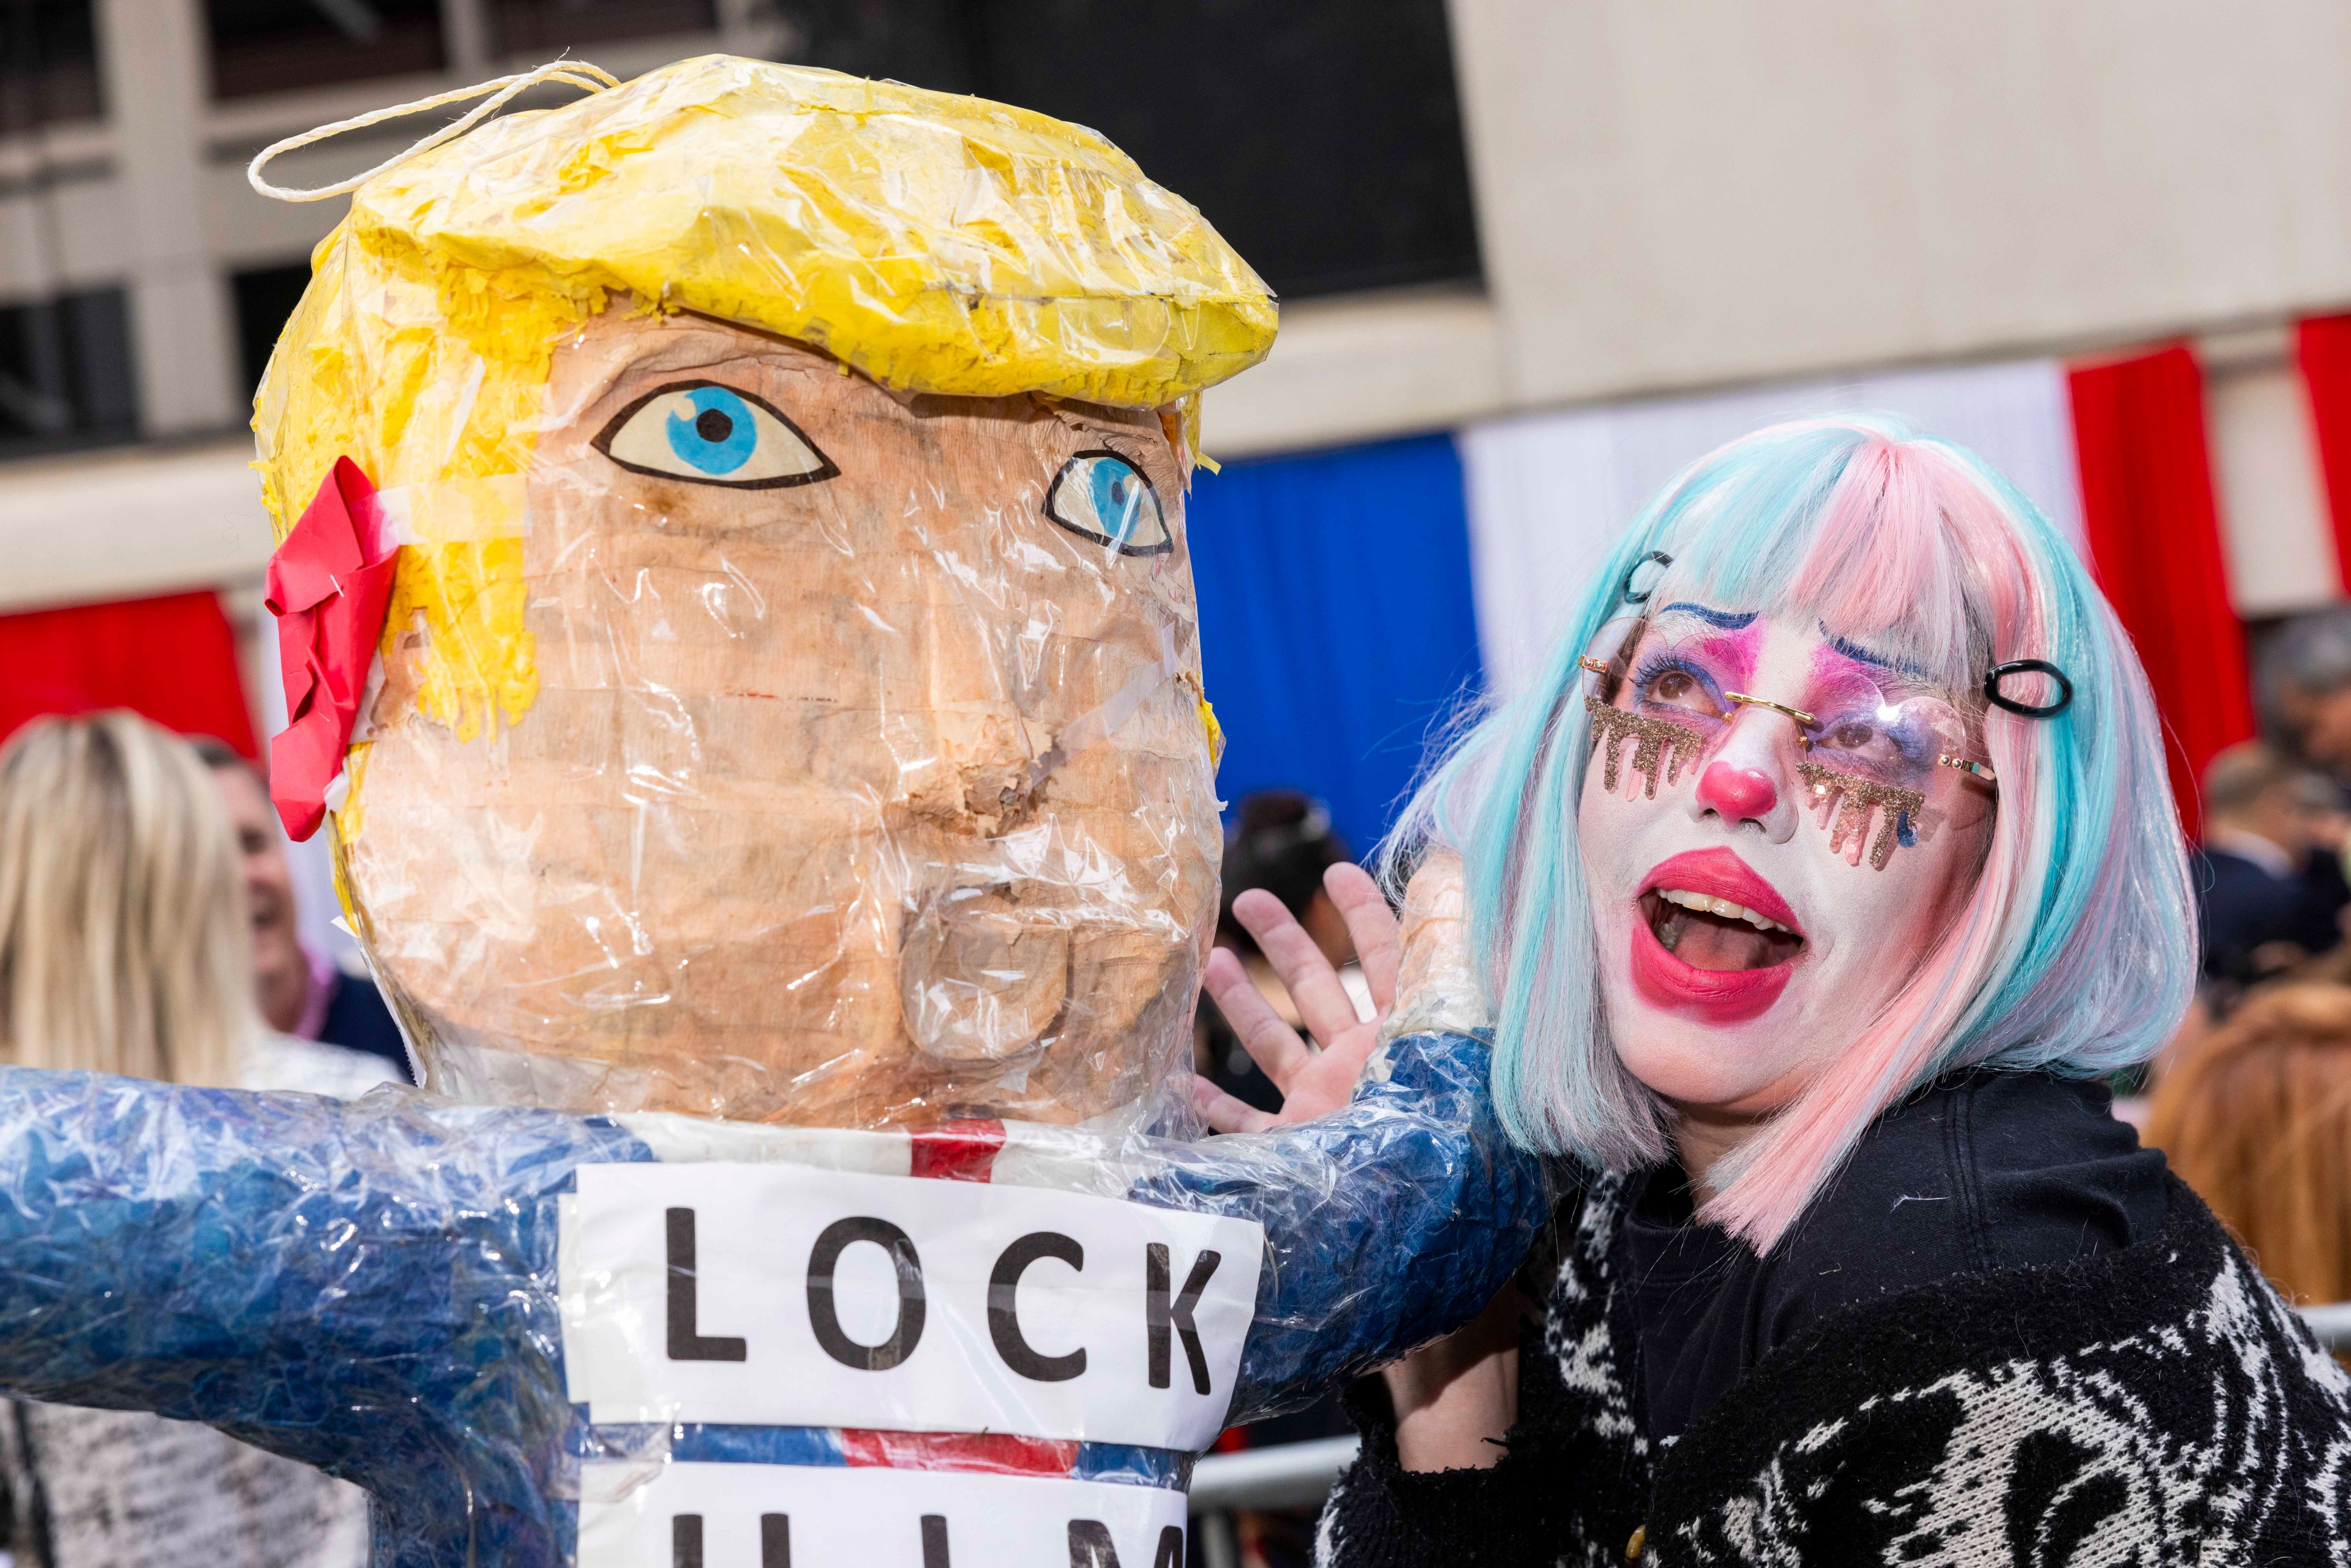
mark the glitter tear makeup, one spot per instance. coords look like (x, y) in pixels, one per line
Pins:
(1856, 797)
(1658, 743)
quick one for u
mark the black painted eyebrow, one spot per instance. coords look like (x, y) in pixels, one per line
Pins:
(1730, 621)
(1855, 650)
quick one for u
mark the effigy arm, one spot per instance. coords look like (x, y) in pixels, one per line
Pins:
(366, 1287)
(1388, 1223)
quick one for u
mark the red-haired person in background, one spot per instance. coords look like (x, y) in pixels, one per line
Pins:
(2256, 1116)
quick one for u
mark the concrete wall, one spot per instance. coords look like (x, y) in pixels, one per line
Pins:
(1687, 194)
(1680, 192)
(1673, 194)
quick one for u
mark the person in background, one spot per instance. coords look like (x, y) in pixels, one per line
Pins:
(2303, 685)
(2269, 875)
(1279, 846)
(124, 950)
(2256, 1116)
(300, 993)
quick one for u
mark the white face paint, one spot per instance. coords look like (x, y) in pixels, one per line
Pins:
(1739, 953)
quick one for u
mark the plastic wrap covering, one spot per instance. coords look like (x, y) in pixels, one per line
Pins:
(801, 729)
(377, 1288)
(781, 779)
(877, 798)
(1436, 987)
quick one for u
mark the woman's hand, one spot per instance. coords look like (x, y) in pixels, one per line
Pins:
(1456, 1398)
(1320, 1077)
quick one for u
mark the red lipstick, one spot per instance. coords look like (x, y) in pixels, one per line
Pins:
(1710, 995)
(1720, 873)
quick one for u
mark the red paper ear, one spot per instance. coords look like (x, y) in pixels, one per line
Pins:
(329, 584)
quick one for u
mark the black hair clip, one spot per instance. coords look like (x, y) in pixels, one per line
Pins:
(1999, 673)
(1625, 588)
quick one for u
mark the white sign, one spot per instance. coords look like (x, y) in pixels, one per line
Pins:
(799, 1516)
(781, 1295)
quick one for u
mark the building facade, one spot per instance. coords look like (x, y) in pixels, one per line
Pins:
(1586, 233)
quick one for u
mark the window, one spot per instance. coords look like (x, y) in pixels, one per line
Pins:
(64, 373)
(282, 45)
(1322, 136)
(544, 28)
(265, 297)
(48, 63)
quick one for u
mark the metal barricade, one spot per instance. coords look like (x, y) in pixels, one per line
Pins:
(2331, 1323)
(1291, 1475)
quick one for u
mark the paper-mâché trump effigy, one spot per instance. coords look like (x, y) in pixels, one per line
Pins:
(789, 707)
(738, 630)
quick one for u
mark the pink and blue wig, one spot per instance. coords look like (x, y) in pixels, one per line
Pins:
(2076, 951)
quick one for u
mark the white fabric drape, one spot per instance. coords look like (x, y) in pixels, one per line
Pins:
(1549, 493)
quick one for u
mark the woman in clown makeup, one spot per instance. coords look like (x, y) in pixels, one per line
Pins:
(1809, 897)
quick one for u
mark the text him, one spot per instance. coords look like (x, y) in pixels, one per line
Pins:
(1090, 1543)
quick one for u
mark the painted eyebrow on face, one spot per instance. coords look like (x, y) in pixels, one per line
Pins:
(1730, 621)
(1860, 654)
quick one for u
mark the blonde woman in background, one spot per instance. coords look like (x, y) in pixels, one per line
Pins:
(124, 948)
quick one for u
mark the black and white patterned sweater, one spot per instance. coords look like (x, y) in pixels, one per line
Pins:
(2149, 1407)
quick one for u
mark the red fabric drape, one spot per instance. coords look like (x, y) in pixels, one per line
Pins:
(2154, 532)
(2323, 344)
(172, 659)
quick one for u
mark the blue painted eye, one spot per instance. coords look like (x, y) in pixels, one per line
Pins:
(1102, 496)
(713, 435)
(714, 432)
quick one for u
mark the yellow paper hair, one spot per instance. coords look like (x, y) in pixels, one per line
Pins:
(939, 242)
(419, 379)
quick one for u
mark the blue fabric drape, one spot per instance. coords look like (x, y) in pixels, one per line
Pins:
(1336, 626)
